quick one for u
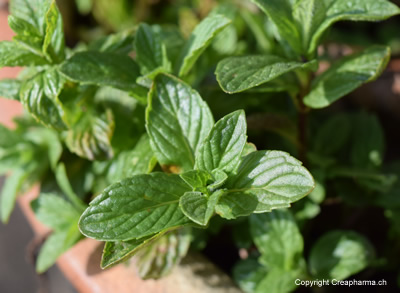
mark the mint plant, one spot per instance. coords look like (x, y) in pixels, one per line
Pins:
(127, 151)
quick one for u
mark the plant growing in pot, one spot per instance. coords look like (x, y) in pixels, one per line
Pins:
(127, 152)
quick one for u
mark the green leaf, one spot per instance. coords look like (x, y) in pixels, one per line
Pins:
(199, 40)
(308, 16)
(84, 6)
(173, 40)
(54, 212)
(102, 68)
(8, 138)
(39, 28)
(237, 74)
(53, 43)
(226, 42)
(151, 53)
(54, 146)
(31, 11)
(48, 140)
(135, 208)
(115, 252)
(280, 12)
(121, 43)
(356, 10)
(16, 157)
(223, 146)
(10, 191)
(157, 259)
(248, 148)
(22, 27)
(90, 137)
(57, 243)
(199, 207)
(129, 117)
(13, 54)
(65, 186)
(278, 280)
(346, 75)
(340, 254)
(368, 146)
(278, 239)
(220, 177)
(196, 178)
(256, 24)
(39, 95)
(332, 135)
(248, 273)
(177, 121)
(140, 160)
(265, 180)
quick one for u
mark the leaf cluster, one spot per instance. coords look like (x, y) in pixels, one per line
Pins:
(122, 137)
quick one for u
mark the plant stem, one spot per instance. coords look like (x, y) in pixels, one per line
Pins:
(302, 134)
(303, 110)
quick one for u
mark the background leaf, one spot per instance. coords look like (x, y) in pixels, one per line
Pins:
(356, 10)
(308, 15)
(280, 12)
(140, 160)
(151, 52)
(9, 88)
(332, 135)
(115, 252)
(102, 68)
(91, 136)
(54, 211)
(39, 95)
(56, 244)
(248, 273)
(278, 281)
(346, 75)
(157, 259)
(31, 11)
(10, 191)
(53, 43)
(278, 239)
(340, 254)
(237, 74)
(121, 43)
(367, 150)
(13, 54)
(199, 40)
(65, 186)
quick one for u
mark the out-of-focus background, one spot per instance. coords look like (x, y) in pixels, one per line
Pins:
(18, 244)
(17, 248)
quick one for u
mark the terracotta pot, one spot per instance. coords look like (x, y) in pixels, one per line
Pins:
(81, 264)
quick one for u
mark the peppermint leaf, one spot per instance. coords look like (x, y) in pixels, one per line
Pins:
(177, 121)
(265, 180)
(222, 148)
(135, 208)
(199, 40)
(103, 69)
(237, 74)
(340, 254)
(346, 75)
